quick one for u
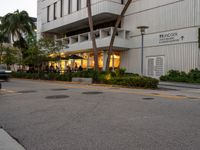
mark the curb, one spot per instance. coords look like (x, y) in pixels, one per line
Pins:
(180, 85)
(8, 143)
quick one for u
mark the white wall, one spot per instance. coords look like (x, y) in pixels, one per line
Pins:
(160, 15)
(182, 57)
(181, 17)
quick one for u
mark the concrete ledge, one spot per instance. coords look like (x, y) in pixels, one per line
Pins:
(8, 143)
(179, 84)
(82, 80)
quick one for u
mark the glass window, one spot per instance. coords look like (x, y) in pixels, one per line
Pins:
(48, 8)
(54, 10)
(69, 6)
(78, 5)
(61, 8)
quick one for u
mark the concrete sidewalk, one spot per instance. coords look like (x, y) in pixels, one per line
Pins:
(181, 85)
(8, 143)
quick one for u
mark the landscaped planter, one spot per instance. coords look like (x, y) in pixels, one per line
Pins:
(82, 80)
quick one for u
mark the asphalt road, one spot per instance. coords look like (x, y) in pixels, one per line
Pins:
(116, 119)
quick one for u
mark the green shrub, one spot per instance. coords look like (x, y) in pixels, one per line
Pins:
(128, 80)
(176, 76)
(120, 72)
(137, 81)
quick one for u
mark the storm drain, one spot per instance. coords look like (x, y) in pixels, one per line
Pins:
(92, 93)
(59, 89)
(57, 97)
(148, 98)
(26, 91)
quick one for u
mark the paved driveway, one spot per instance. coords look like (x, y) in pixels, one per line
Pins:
(57, 116)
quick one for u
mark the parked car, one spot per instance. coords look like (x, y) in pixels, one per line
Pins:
(4, 73)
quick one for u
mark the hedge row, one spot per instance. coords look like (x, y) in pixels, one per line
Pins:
(128, 80)
(137, 81)
(176, 76)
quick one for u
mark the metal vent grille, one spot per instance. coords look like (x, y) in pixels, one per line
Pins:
(150, 67)
(159, 68)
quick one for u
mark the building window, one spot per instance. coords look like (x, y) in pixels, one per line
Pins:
(54, 10)
(69, 6)
(61, 8)
(48, 8)
(78, 5)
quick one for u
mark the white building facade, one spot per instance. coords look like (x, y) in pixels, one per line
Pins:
(171, 42)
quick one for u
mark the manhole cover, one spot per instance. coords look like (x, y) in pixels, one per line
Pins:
(26, 91)
(155, 93)
(59, 89)
(148, 98)
(57, 97)
(181, 95)
(92, 93)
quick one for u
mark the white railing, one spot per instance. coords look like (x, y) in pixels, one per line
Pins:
(100, 34)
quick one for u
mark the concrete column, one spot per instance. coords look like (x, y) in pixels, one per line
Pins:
(113, 62)
(88, 60)
(105, 56)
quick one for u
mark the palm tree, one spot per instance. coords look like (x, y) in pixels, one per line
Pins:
(3, 38)
(110, 49)
(96, 64)
(17, 25)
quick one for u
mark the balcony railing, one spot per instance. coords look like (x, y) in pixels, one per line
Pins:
(103, 37)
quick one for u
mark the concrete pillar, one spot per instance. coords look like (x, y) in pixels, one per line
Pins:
(88, 60)
(105, 56)
(113, 62)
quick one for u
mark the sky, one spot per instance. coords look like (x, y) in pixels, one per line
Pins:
(7, 6)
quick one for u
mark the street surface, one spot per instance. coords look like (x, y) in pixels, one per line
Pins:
(43, 115)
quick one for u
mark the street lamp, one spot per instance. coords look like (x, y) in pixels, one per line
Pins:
(142, 30)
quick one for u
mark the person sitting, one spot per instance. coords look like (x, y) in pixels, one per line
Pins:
(76, 67)
(57, 69)
(80, 68)
(68, 68)
(51, 69)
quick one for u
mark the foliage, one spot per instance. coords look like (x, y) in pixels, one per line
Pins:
(137, 81)
(9, 56)
(133, 80)
(176, 76)
(17, 25)
(120, 72)
(49, 46)
(3, 38)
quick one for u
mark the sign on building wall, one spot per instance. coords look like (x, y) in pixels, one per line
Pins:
(170, 37)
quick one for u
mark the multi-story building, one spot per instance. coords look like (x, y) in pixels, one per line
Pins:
(170, 42)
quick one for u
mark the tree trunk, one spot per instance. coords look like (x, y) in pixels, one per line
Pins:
(110, 49)
(1, 53)
(96, 65)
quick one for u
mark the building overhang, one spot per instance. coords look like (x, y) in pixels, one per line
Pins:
(102, 11)
(82, 42)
